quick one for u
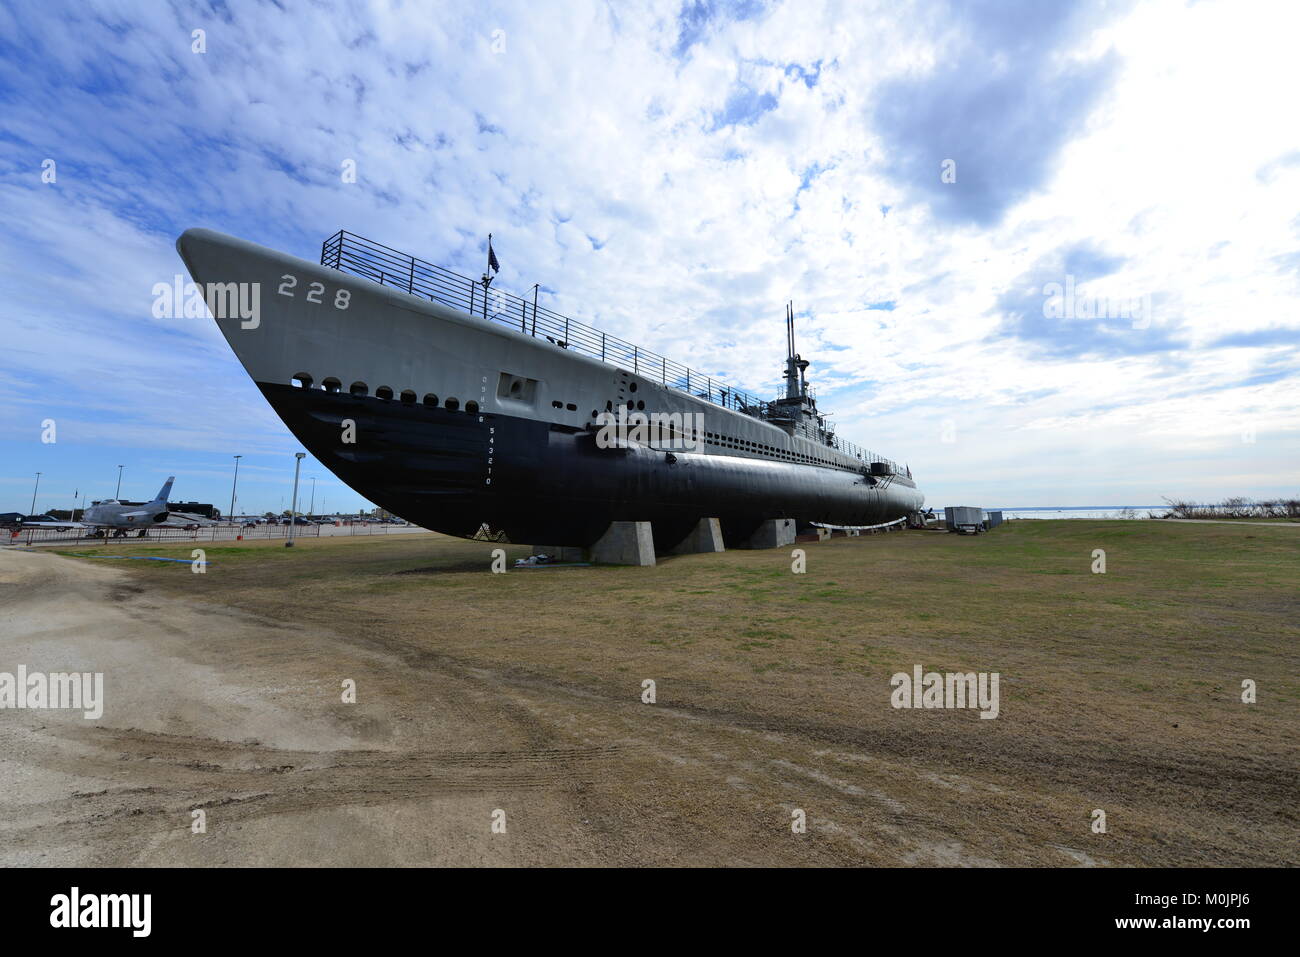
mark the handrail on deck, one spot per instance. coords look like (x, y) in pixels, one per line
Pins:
(348, 252)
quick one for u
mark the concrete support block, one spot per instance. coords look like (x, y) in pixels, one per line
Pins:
(854, 532)
(774, 533)
(625, 543)
(823, 534)
(706, 536)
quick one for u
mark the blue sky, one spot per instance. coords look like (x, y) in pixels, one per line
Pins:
(913, 175)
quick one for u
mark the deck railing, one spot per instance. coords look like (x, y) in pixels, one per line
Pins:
(348, 252)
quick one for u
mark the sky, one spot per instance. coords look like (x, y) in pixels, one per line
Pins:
(1046, 253)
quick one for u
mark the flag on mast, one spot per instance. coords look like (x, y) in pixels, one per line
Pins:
(492, 257)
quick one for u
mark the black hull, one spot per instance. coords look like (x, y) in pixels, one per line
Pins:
(548, 484)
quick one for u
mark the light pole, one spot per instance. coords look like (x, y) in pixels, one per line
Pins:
(293, 507)
(118, 494)
(233, 481)
(38, 485)
(312, 508)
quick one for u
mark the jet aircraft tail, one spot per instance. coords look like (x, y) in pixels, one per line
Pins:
(166, 490)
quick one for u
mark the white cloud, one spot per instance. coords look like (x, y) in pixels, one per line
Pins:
(599, 131)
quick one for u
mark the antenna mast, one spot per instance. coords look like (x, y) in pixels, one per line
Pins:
(789, 328)
(792, 386)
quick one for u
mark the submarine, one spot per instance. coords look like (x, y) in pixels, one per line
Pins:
(466, 410)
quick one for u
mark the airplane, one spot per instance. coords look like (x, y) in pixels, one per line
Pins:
(112, 514)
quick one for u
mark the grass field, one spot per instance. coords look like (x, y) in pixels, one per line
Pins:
(1119, 691)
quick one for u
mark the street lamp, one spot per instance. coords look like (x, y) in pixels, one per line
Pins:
(118, 494)
(312, 510)
(231, 514)
(38, 485)
(293, 507)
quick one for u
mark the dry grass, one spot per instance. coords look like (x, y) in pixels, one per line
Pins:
(1118, 691)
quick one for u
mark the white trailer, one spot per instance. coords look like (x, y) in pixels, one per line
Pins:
(964, 519)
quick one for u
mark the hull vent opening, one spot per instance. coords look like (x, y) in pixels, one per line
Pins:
(516, 387)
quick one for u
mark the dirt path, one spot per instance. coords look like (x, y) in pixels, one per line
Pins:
(286, 772)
